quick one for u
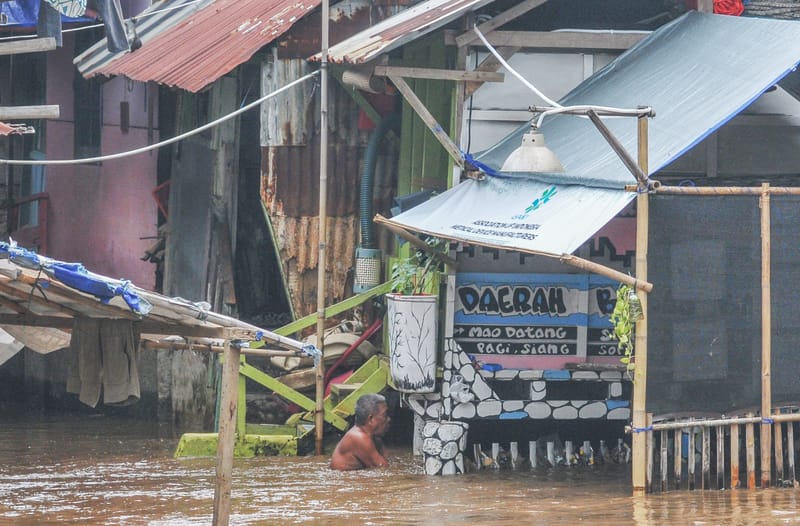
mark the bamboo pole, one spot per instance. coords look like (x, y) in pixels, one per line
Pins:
(734, 456)
(323, 227)
(717, 190)
(790, 451)
(640, 372)
(227, 434)
(779, 452)
(168, 346)
(664, 460)
(720, 434)
(751, 455)
(766, 338)
(711, 422)
(650, 453)
(705, 483)
(678, 441)
(638, 172)
(690, 460)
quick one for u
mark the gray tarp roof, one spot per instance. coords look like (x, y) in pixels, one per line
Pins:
(697, 73)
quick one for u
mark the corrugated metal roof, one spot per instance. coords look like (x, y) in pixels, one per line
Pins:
(192, 45)
(400, 29)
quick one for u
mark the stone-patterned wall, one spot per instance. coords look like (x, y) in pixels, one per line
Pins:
(486, 404)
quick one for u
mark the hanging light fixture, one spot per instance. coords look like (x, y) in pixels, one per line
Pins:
(533, 155)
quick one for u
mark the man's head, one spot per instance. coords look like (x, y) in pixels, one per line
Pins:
(372, 413)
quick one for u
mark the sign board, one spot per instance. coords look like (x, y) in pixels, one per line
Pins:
(534, 320)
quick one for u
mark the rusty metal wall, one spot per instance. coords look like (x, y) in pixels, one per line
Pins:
(290, 181)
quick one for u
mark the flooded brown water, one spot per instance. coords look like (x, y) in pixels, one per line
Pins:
(102, 470)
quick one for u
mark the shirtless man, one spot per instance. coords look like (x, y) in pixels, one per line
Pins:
(361, 447)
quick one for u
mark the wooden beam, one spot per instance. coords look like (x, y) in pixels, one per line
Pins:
(499, 20)
(411, 238)
(428, 119)
(490, 63)
(31, 45)
(439, 74)
(559, 41)
(11, 113)
(31, 320)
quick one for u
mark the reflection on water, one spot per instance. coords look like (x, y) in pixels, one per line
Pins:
(83, 470)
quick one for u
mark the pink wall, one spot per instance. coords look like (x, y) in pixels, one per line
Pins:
(101, 215)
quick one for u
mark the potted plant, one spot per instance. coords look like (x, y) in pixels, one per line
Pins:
(412, 310)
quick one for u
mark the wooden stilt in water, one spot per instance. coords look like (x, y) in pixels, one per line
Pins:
(734, 456)
(790, 450)
(532, 447)
(650, 452)
(664, 460)
(495, 455)
(750, 451)
(588, 452)
(478, 456)
(678, 442)
(569, 452)
(706, 458)
(227, 435)
(514, 451)
(690, 459)
(551, 453)
(779, 452)
(720, 434)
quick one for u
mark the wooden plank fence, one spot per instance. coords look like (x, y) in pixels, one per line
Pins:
(715, 454)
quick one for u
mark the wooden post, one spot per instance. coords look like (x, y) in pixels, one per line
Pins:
(640, 347)
(531, 453)
(720, 457)
(664, 459)
(705, 483)
(779, 452)
(790, 450)
(227, 435)
(690, 460)
(766, 338)
(734, 456)
(751, 454)
(678, 457)
(650, 452)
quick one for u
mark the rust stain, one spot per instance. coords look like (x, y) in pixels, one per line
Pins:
(205, 45)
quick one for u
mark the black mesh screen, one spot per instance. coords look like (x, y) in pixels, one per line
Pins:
(704, 338)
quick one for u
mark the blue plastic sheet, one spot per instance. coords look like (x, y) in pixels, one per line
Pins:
(76, 276)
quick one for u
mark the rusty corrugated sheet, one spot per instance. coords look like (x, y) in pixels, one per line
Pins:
(400, 29)
(290, 184)
(207, 44)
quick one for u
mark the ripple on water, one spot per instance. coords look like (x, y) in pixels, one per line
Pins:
(101, 471)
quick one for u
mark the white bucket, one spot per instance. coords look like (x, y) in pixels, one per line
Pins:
(413, 323)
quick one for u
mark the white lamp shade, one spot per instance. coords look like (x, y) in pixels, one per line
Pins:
(532, 156)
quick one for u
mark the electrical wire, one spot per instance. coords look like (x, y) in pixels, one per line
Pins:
(557, 108)
(32, 162)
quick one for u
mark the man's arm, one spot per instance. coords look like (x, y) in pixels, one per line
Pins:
(368, 452)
